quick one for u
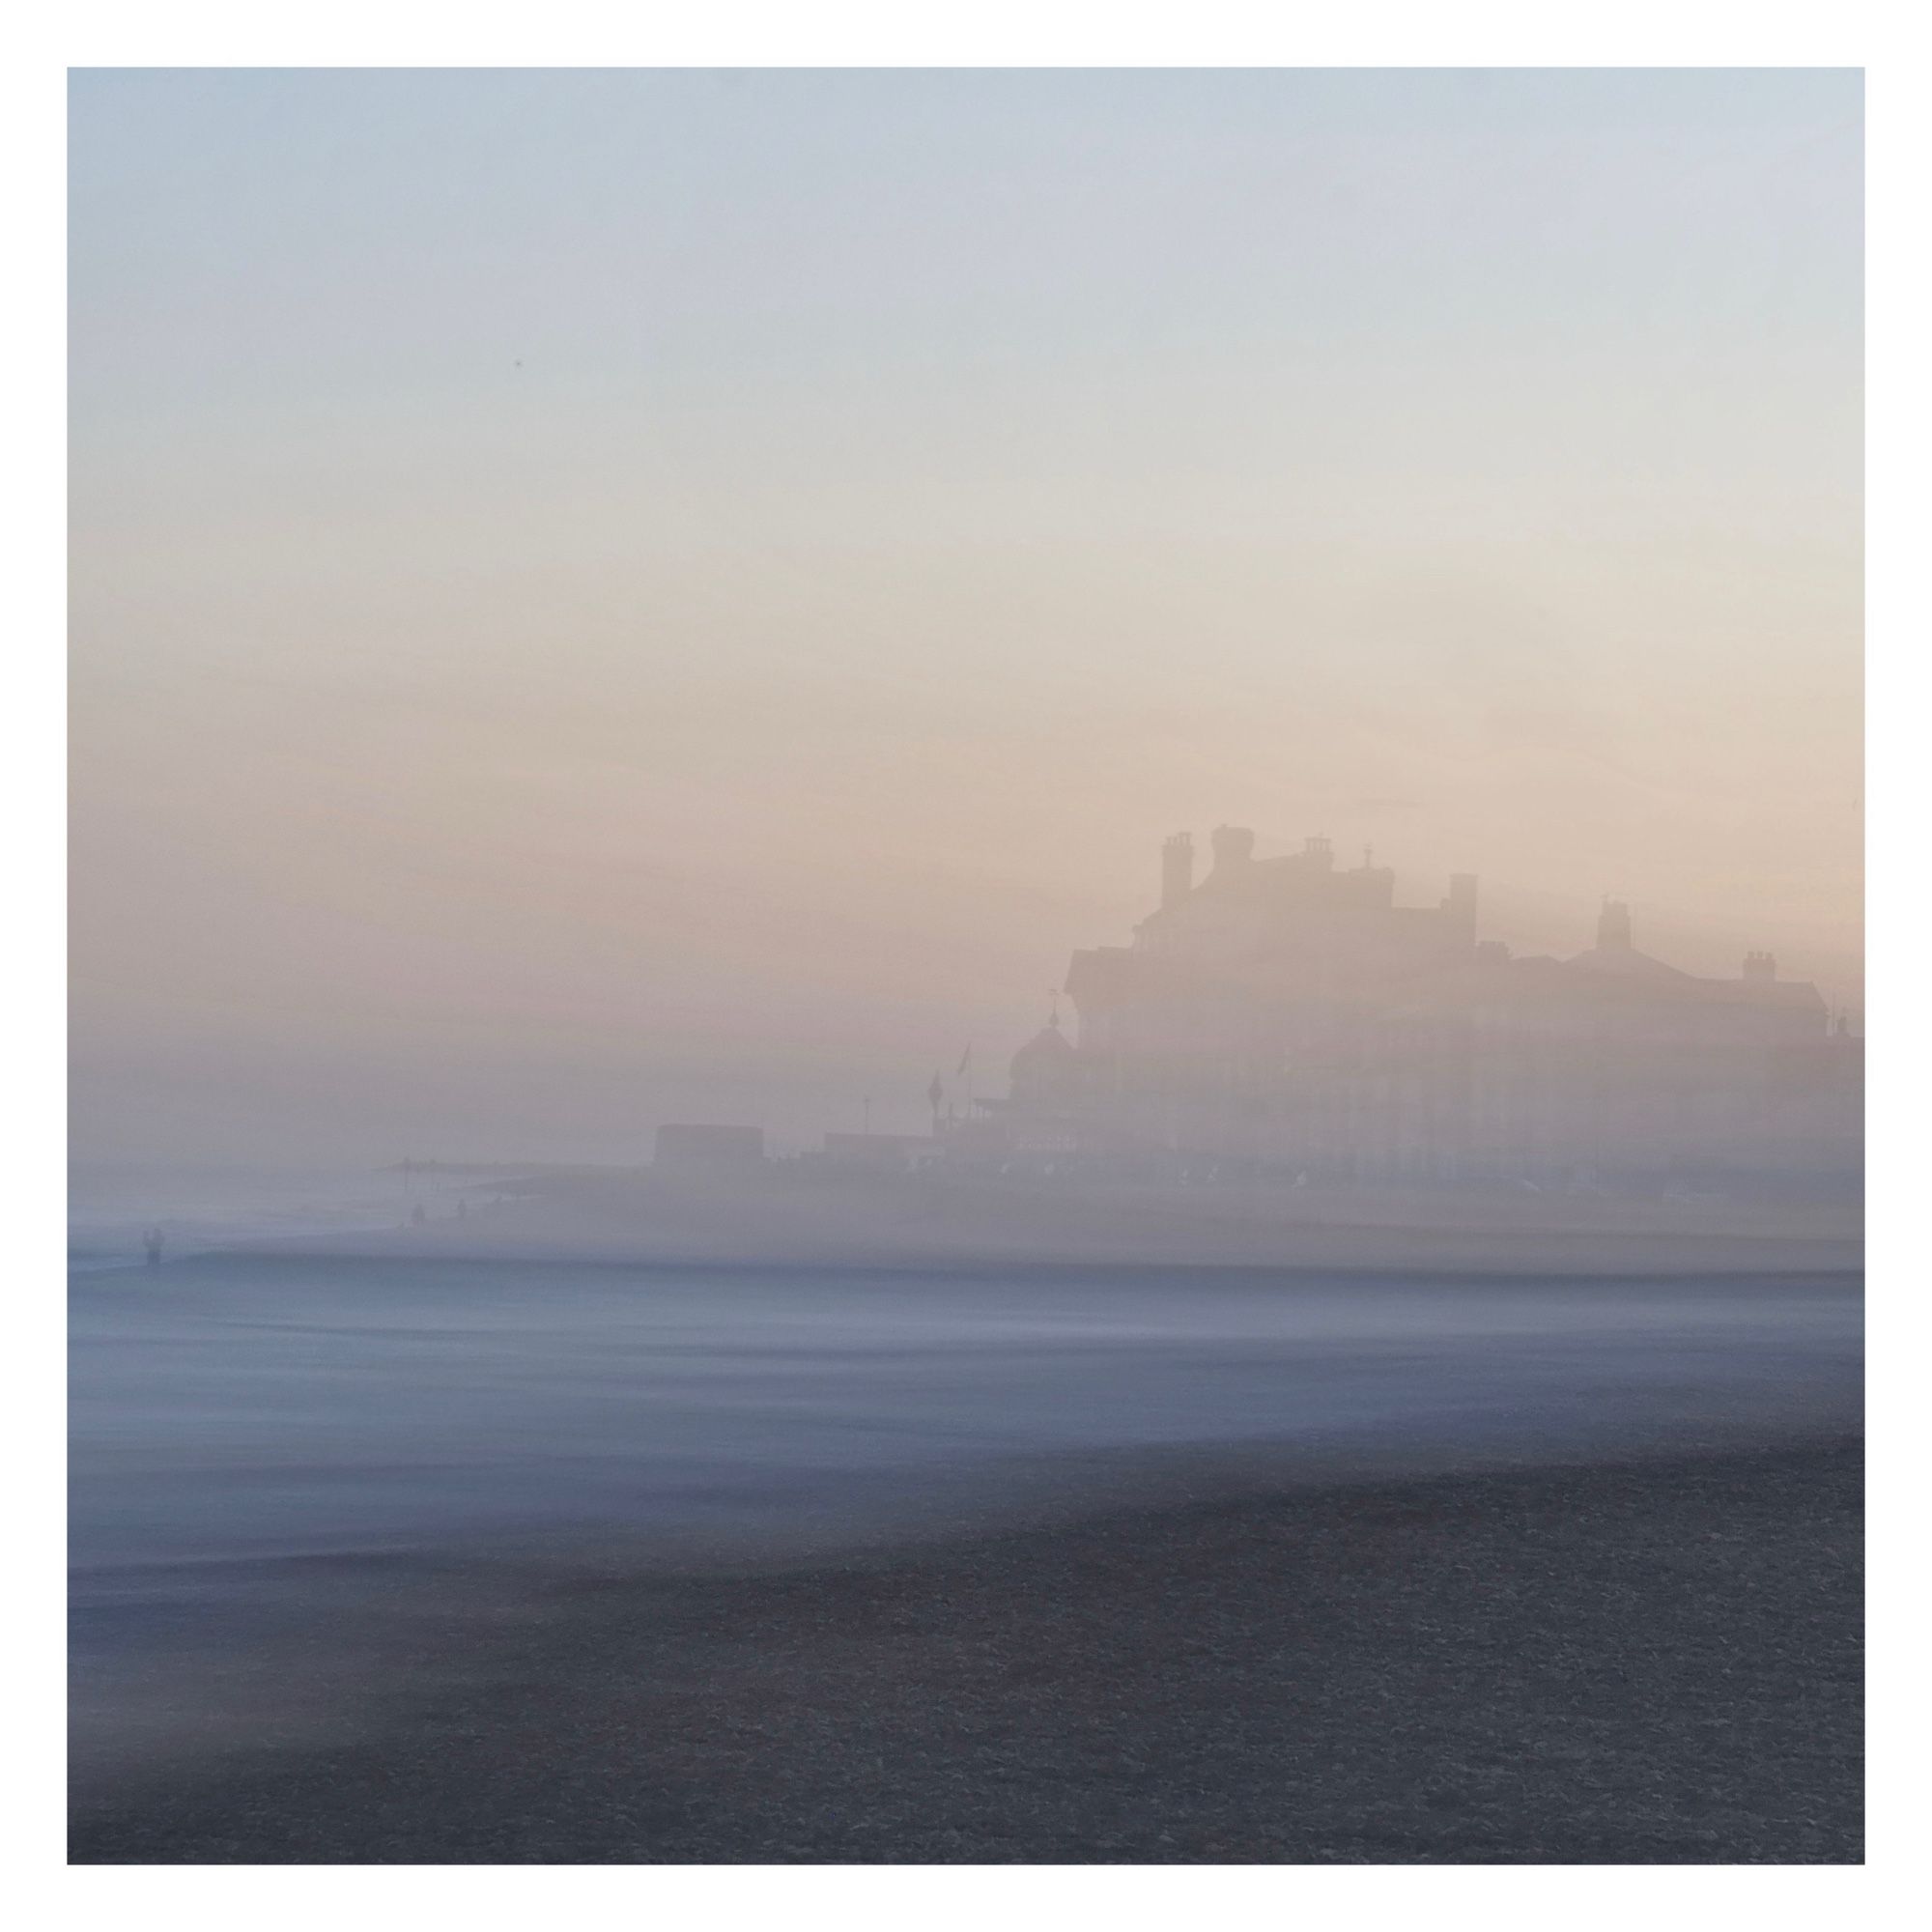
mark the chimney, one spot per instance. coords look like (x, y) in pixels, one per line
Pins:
(1319, 852)
(1760, 969)
(1461, 904)
(1613, 926)
(1233, 847)
(1176, 869)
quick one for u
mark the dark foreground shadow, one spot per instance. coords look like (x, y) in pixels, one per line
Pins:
(1650, 1662)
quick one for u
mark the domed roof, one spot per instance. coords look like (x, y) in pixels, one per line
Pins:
(1047, 1048)
(1048, 1043)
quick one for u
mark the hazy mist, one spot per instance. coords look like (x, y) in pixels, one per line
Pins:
(603, 598)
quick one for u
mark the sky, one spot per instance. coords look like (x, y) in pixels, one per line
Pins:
(606, 597)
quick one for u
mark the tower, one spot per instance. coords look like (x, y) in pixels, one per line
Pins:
(1233, 847)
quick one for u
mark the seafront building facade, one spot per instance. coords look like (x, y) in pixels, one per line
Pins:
(1286, 1016)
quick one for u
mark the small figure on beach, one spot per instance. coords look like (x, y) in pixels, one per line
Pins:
(418, 1216)
(152, 1242)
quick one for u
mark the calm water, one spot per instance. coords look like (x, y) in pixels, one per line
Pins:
(229, 1408)
(232, 1419)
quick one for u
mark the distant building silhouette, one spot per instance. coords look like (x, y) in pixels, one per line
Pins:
(879, 1153)
(1287, 1015)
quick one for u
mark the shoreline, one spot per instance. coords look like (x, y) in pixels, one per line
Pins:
(1328, 1247)
(401, 1246)
(1618, 1661)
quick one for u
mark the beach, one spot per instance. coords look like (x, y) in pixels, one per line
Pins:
(1652, 1661)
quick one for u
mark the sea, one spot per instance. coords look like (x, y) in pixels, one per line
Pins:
(283, 1461)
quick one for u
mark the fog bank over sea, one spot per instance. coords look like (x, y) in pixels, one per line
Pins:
(246, 1405)
(291, 1474)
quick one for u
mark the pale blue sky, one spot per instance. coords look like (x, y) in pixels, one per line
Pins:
(1140, 262)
